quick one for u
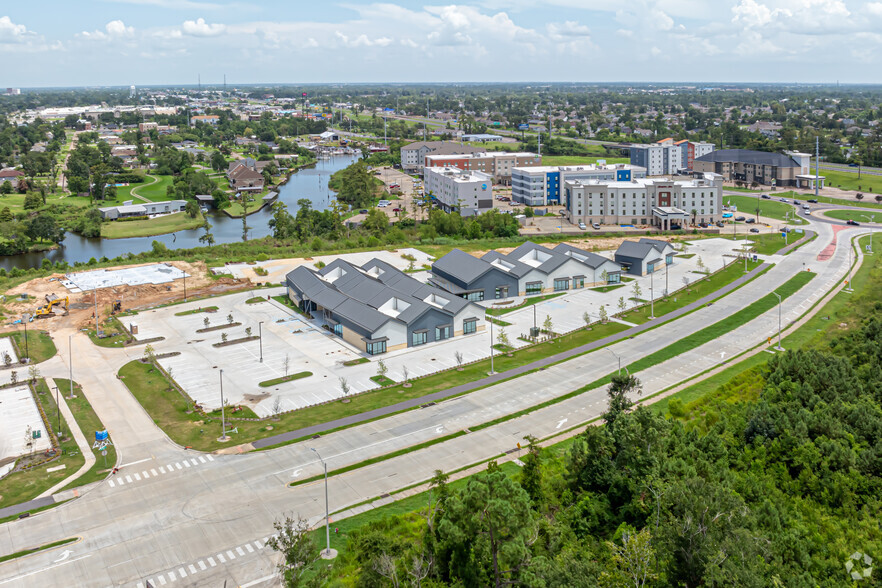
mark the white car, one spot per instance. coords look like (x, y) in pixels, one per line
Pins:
(383, 203)
(582, 227)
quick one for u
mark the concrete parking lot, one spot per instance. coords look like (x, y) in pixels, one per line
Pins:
(302, 344)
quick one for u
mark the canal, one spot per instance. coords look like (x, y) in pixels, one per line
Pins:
(310, 183)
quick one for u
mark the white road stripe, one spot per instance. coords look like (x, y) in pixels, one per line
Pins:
(202, 565)
(171, 576)
(202, 459)
(194, 462)
(249, 548)
(129, 479)
(192, 569)
(112, 484)
(182, 572)
(211, 562)
(137, 478)
(186, 463)
(178, 465)
(120, 481)
(161, 470)
(239, 551)
(152, 471)
(209, 458)
(231, 555)
(258, 545)
(162, 579)
(221, 558)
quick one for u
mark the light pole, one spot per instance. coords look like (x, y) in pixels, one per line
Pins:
(223, 417)
(58, 408)
(70, 362)
(652, 293)
(24, 319)
(490, 320)
(617, 357)
(327, 554)
(779, 348)
(871, 219)
(260, 336)
(185, 284)
(848, 287)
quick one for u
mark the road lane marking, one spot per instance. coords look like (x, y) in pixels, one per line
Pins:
(186, 463)
(202, 459)
(209, 458)
(162, 580)
(202, 565)
(231, 555)
(182, 572)
(161, 470)
(129, 479)
(111, 483)
(194, 462)
(249, 548)
(221, 558)
(211, 562)
(135, 462)
(178, 465)
(192, 569)
(240, 552)
(137, 478)
(64, 563)
(154, 472)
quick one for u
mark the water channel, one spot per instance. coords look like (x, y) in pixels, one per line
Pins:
(310, 183)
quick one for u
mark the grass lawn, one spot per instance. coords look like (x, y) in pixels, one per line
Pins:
(26, 485)
(39, 344)
(169, 223)
(811, 334)
(88, 422)
(283, 379)
(235, 209)
(530, 302)
(697, 289)
(858, 215)
(769, 243)
(156, 191)
(197, 310)
(609, 288)
(255, 300)
(867, 202)
(579, 160)
(768, 208)
(850, 181)
(115, 334)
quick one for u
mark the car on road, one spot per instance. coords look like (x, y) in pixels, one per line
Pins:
(853, 223)
(383, 203)
(393, 186)
(740, 219)
(852, 165)
(582, 227)
(754, 230)
(703, 225)
(797, 202)
(750, 221)
(396, 210)
(765, 196)
(596, 226)
(719, 224)
(362, 211)
(783, 199)
(812, 201)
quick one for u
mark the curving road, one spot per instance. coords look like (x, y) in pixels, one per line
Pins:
(178, 518)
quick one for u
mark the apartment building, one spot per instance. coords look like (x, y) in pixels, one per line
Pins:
(413, 156)
(770, 169)
(668, 157)
(469, 192)
(499, 164)
(661, 203)
(542, 185)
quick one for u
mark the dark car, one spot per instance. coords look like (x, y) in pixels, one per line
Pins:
(812, 201)
(754, 230)
(796, 202)
(766, 196)
(703, 225)
(852, 223)
(739, 218)
(852, 165)
(719, 224)
(750, 221)
(362, 211)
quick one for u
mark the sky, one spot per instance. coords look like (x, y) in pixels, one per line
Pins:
(155, 42)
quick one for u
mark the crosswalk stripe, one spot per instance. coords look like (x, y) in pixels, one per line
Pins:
(178, 465)
(231, 555)
(112, 484)
(202, 565)
(182, 573)
(202, 459)
(145, 475)
(137, 478)
(211, 562)
(258, 545)
(186, 463)
(209, 458)
(162, 580)
(129, 479)
(171, 576)
(192, 569)
(239, 551)
(221, 558)
(140, 585)
(249, 548)
(152, 471)
(120, 481)
(194, 462)
(161, 470)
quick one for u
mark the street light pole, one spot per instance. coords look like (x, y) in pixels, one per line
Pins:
(848, 287)
(779, 348)
(327, 512)
(58, 408)
(260, 336)
(24, 319)
(70, 362)
(652, 293)
(871, 219)
(491, 346)
(617, 357)
(223, 417)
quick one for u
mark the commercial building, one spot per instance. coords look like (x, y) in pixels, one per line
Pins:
(790, 169)
(543, 185)
(413, 156)
(662, 203)
(482, 137)
(128, 210)
(469, 192)
(644, 256)
(378, 308)
(499, 164)
(529, 270)
(668, 157)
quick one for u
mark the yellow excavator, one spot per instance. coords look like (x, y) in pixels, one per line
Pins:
(48, 309)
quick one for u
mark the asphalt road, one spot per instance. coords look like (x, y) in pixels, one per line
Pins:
(178, 518)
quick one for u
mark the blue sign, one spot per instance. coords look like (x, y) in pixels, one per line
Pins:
(623, 175)
(483, 186)
(101, 435)
(523, 127)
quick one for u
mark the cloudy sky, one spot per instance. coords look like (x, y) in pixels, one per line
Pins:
(143, 42)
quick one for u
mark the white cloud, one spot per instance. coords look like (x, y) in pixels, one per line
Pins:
(568, 29)
(11, 32)
(200, 28)
(178, 4)
(117, 28)
(874, 8)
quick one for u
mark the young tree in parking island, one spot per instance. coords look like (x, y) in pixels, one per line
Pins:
(622, 304)
(637, 291)
(299, 551)
(548, 325)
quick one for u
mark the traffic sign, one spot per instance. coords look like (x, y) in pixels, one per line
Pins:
(104, 452)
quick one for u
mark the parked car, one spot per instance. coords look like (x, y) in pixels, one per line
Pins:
(719, 224)
(703, 225)
(596, 226)
(740, 219)
(582, 227)
(765, 196)
(362, 211)
(754, 230)
(796, 202)
(852, 223)
(750, 221)
(676, 227)
(396, 210)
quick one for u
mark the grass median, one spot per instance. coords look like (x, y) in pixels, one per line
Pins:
(39, 345)
(33, 550)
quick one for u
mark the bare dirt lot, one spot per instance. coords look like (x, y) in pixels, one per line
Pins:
(82, 305)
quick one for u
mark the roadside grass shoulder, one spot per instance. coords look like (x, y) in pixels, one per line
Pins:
(858, 214)
(747, 206)
(32, 550)
(39, 344)
(88, 423)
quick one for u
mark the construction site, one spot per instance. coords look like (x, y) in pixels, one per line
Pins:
(71, 300)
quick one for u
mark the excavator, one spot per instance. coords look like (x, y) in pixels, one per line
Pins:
(48, 309)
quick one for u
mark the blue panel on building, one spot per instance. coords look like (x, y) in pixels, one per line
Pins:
(623, 175)
(553, 187)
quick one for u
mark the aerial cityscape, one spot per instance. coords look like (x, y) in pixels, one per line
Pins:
(533, 294)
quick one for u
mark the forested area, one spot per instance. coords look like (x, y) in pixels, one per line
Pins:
(774, 483)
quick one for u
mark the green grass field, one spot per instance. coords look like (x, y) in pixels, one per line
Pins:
(155, 191)
(39, 347)
(860, 215)
(180, 221)
(850, 181)
(88, 423)
(768, 208)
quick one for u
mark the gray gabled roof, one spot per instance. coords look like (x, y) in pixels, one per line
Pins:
(636, 250)
(517, 269)
(462, 266)
(659, 244)
(590, 259)
(749, 157)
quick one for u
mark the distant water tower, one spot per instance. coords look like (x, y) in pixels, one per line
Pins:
(132, 91)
